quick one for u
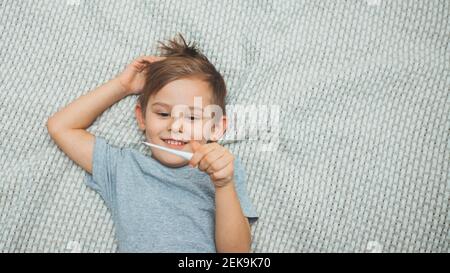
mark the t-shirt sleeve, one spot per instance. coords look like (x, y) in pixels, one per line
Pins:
(241, 189)
(104, 170)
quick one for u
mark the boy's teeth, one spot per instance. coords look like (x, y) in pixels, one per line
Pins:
(173, 142)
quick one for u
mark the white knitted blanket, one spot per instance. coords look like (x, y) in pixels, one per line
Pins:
(362, 156)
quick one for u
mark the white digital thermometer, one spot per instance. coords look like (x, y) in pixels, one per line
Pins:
(185, 155)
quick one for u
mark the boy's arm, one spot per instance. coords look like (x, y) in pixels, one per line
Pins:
(68, 126)
(232, 227)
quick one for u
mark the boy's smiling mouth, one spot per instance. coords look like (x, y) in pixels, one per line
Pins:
(174, 143)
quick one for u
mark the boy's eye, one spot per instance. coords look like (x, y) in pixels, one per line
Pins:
(194, 118)
(163, 114)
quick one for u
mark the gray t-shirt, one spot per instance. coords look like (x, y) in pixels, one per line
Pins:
(156, 208)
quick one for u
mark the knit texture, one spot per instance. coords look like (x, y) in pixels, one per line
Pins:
(363, 152)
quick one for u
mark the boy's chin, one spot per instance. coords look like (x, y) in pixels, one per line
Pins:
(170, 160)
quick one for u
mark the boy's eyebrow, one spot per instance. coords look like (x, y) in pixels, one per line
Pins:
(168, 105)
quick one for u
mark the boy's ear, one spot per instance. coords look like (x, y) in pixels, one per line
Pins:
(139, 117)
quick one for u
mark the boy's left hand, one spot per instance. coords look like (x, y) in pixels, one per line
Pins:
(215, 160)
(132, 79)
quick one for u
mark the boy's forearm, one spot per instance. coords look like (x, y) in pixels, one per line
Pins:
(232, 228)
(82, 112)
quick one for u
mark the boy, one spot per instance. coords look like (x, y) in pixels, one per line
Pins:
(164, 203)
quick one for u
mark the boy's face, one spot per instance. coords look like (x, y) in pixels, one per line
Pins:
(175, 115)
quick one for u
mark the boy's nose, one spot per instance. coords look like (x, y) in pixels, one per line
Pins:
(176, 125)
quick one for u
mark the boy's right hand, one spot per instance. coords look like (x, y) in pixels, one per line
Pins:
(132, 78)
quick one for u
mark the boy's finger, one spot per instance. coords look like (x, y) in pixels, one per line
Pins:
(140, 66)
(152, 59)
(199, 154)
(195, 146)
(210, 158)
(224, 173)
(220, 164)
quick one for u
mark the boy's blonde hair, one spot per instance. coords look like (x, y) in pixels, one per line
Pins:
(183, 61)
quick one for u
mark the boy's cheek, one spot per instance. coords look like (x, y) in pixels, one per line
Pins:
(195, 132)
(156, 126)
